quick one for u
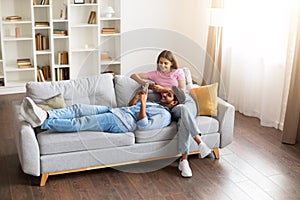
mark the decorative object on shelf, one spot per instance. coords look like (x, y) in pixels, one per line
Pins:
(24, 63)
(63, 12)
(17, 32)
(108, 30)
(92, 17)
(78, 1)
(105, 56)
(108, 12)
(13, 18)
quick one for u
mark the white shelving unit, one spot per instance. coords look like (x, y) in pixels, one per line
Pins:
(111, 43)
(14, 47)
(73, 46)
(84, 39)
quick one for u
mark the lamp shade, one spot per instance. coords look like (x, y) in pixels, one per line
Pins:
(109, 11)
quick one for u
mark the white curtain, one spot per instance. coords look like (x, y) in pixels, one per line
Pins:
(257, 49)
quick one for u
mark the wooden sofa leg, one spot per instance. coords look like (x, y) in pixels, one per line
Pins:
(44, 179)
(216, 153)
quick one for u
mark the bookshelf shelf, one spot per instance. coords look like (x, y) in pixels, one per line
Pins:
(43, 52)
(110, 35)
(83, 5)
(41, 27)
(84, 25)
(16, 69)
(16, 22)
(110, 19)
(61, 66)
(41, 6)
(60, 37)
(60, 20)
(17, 39)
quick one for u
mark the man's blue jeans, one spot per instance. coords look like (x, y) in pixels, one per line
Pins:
(80, 117)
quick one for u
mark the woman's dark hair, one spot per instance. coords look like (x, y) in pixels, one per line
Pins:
(169, 56)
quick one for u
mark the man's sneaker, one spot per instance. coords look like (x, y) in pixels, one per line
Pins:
(32, 113)
(185, 169)
(204, 150)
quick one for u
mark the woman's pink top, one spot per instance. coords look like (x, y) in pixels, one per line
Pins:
(166, 80)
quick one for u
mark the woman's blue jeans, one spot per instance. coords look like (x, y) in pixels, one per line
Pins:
(187, 127)
(81, 117)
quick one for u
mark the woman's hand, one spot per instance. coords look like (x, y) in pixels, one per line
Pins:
(158, 88)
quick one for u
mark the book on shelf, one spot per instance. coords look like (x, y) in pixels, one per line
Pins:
(108, 31)
(23, 60)
(62, 74)
(62, 58)
(41, 24)
(40, 76)
(24, 63)
(59, 32)
(46, 72)
(92, 17)
(44, 2)
(13, 18)
(41, 42)
(24, 66)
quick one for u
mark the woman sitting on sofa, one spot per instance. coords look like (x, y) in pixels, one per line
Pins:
(139, 114)
(167, 75)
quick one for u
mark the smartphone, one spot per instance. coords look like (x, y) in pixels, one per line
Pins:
(145, 88)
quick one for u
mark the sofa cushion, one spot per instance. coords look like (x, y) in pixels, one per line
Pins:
(206, 99)
(51, 142)
(126, 87)
(53, 103)
(96, 90)
(207, 124)
(166, 133)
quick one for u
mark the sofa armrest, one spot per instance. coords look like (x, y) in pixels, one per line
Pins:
(27, 144)
(225, 117)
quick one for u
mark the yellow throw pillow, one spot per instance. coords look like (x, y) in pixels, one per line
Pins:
(53, 103)
(206, 99)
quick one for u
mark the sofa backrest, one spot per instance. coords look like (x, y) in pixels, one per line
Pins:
(95, 90)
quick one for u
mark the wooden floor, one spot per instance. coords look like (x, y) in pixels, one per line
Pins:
(255, 166)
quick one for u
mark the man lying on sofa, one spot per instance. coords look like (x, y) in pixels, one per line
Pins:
(140, 114)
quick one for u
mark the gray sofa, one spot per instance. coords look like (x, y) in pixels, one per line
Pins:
(49, 153)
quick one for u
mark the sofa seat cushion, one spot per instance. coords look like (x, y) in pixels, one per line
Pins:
(51, 142)
(167, 133)
(207, 124)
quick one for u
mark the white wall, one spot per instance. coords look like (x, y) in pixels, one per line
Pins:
(152, 25)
